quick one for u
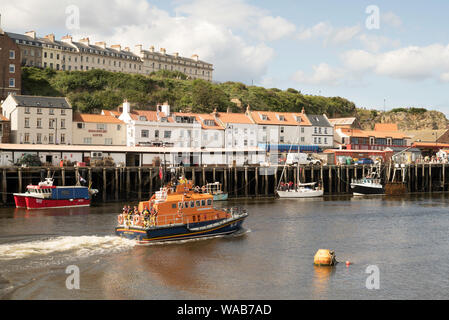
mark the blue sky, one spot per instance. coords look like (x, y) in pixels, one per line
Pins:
(320, 47)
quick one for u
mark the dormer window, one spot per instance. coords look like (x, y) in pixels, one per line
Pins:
(298, 119)
(281, 118)
(264, 117)
(164, 119)
(210, 123)
(142, 118)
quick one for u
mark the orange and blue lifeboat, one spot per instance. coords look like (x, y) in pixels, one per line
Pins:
(179, 213)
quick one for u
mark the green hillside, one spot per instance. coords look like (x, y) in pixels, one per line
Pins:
(91, 91)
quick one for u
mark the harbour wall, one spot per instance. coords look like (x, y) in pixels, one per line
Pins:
(136, 183)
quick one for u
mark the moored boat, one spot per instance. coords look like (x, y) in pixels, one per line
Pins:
(215, 189)
(179, 212)
(45, 195)
(369, 185)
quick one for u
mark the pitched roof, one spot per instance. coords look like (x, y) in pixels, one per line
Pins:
(426, 135)
(343, 121)
(241, 118)
(42, 102)
(95, 118)
(274, 118)
(319, 121)
(386, 127)
(111, 113)
(151, 116)
(377, 134)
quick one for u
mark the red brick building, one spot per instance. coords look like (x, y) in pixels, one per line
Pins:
(10, 67)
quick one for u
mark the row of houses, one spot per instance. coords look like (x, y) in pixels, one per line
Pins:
(50, 120)
(66, 54)
(33, 120)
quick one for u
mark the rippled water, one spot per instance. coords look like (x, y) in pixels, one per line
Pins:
(407, 238)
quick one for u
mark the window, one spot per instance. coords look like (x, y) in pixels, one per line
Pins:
(101, 126)
(80, 125)
(12, 68)
(144, 134)
(203, 203)
(302, 130)
(167, 134)
(198, 203)
(282, 129)
(119, 127)
(156, 133)
(87, 140)
(173, 206)
(27, 110)
(39, 123)
(12, 83)
(192, 204)
(209, 202)
(108, 141)
(63, 138)
(51, 138)
(39, 111)
(63, 112)
(142, 118)
(52, 111)
(26, 138)
(51, 123)
(62, 123)
(27, 122)
(39, 138)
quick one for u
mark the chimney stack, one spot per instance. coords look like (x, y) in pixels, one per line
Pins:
(85, 41)
(138, 48)
(126, 107)
(195, 57)
(31, 34)
(163, 51)
(152, 48)
(50, 37)
(117, 47)
(67, 39)
(101, 44)
(127, 49)
(176, 54)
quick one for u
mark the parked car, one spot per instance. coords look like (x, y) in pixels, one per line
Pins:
(302, 158)
(365, 161)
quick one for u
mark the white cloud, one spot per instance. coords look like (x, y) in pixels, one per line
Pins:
(374, 43)
(410, 63)
(320, 30)
(329, 34)
(230, 34)
(323, 74)
(391, 19)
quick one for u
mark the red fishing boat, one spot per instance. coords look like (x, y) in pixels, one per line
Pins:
(46, 195)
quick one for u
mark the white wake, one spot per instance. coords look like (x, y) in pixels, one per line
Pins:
(82, 246)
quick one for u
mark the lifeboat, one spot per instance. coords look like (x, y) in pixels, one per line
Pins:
(179, 212)
(325, 257)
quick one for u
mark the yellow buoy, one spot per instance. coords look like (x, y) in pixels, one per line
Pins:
(325, 257)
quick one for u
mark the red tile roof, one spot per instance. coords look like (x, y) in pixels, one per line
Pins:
(95, 118)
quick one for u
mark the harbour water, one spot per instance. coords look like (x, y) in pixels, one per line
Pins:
(405, 237)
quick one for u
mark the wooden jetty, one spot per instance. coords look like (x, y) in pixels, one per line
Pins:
(135, 183)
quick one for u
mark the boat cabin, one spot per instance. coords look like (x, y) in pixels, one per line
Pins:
(182, 204)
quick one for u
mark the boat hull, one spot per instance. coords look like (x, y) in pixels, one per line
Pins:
(20, 201)
(300, 194)
(181, 232)
(361, 190)
(221, 197)
(32, 203)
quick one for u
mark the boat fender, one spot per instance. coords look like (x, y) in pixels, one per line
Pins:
(120, 219)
